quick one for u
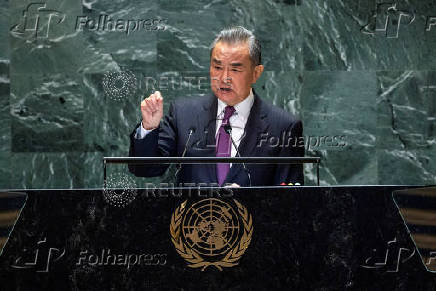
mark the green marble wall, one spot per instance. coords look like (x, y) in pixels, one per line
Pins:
(329, 62)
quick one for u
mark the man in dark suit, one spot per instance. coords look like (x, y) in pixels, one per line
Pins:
(233, 108)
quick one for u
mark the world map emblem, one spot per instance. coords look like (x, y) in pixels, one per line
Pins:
(211, 232)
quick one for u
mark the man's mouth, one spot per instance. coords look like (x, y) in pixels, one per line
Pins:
(225, 90)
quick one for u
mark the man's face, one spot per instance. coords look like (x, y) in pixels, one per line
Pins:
(232, 72)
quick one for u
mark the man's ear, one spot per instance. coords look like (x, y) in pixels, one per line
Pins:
(257, 72)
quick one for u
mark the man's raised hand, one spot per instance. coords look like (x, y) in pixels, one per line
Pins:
(152, 110)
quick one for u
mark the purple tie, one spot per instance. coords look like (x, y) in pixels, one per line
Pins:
(224, 146)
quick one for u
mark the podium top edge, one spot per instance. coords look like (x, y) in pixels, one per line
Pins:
(257, 160)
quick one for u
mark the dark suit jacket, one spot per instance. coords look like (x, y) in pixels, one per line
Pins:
(266, 126)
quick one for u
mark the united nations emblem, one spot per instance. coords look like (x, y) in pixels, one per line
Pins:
(211, 233)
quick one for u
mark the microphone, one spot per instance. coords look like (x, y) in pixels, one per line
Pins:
(203, 141)
(191, 131)
(228, 130)
(179, 166)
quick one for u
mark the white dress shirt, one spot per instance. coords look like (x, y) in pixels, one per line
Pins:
(237, 121)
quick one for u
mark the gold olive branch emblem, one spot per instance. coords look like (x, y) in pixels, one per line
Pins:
(191, 256)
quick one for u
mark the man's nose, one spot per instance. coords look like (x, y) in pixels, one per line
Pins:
(225, 76)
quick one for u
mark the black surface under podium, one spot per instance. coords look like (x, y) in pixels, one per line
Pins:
(304, 238)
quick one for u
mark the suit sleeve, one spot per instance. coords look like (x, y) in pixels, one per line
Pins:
(161, 142)
(291, 173)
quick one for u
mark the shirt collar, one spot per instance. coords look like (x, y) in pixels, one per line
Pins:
(242, 108)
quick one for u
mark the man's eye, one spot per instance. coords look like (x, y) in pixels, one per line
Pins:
(235, 70)
(217, 68)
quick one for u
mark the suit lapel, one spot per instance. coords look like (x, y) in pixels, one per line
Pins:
(256, 124)
(206, 124)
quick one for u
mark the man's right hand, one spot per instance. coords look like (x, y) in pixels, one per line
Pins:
(152, 110)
